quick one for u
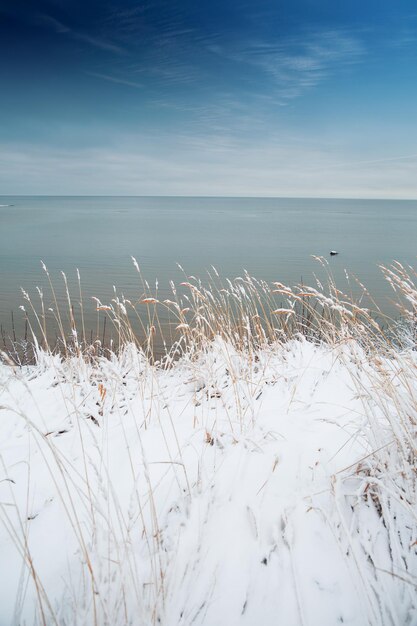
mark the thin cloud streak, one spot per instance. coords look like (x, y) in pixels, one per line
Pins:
(116, 79)
(406, 157)
(96, 42)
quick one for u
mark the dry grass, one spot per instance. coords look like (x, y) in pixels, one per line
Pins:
(247, 312)
(252, 319)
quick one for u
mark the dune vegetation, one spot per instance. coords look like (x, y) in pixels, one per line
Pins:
(248, 457)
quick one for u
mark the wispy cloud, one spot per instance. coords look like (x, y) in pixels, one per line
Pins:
(208, 165)
(359, 163)
(250, 79)
(115, 79)
(97, 42)
(261, 71)
(301, 62)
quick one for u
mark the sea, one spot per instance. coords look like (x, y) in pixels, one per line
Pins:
(275, 239)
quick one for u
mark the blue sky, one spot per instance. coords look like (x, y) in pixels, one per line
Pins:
(265, 98)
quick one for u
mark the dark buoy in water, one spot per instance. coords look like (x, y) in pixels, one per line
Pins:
(333, 252)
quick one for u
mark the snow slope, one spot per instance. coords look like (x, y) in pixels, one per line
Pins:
(229, 489)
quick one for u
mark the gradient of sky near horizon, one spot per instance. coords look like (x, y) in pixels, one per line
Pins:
(161, 97)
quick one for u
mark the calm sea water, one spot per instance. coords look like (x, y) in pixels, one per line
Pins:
(273, 239)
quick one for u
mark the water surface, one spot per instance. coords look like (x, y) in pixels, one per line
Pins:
(273, 238)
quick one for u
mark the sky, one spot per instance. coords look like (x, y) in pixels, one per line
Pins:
(313, 98)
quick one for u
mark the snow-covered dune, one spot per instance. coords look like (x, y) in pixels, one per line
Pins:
(231, 488)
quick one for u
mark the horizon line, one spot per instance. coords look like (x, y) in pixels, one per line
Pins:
(255, 197)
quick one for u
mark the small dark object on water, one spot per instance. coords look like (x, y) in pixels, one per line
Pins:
(333, 252)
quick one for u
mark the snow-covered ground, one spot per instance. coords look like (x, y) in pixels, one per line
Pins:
(275, 488)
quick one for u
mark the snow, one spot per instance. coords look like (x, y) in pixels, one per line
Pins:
(228, 489)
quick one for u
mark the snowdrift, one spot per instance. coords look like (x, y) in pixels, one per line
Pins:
(276, 487)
